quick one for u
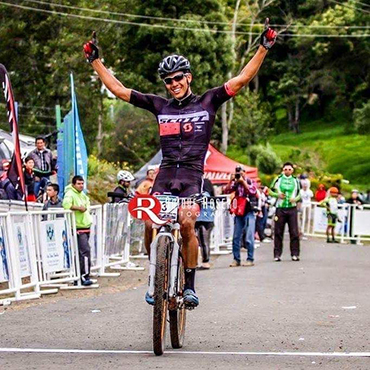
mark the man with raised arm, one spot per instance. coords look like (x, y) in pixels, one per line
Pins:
(185, 124)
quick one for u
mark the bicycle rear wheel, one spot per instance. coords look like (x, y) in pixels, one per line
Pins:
(178, 315)
(160, 295)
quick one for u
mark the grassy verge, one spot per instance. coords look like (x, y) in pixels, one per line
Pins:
(323, 148)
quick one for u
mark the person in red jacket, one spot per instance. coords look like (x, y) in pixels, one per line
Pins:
(320, 193)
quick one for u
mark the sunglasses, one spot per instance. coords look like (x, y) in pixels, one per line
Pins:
(177, 78)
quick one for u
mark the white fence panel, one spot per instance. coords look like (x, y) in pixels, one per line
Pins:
(56, 249)
(353, 222)
(222, 233)
(22, 256)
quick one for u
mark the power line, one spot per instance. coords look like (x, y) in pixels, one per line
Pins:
(180, 20)
(350, 6)
(106, 20)
(363, 4)
(169, 27)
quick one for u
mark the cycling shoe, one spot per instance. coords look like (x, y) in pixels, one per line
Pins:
(149, 299)
(191, 300)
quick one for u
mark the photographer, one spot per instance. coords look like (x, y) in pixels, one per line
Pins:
(243, 206)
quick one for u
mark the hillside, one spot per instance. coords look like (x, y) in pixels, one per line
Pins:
(323, 147)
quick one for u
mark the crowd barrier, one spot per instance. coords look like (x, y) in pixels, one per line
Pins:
(39, 250)
(222, 233)
(353, 222)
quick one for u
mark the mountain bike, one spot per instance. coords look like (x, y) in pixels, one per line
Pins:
(167, 277)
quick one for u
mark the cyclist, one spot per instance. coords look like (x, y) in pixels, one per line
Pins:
(185, 123)
(123, 191)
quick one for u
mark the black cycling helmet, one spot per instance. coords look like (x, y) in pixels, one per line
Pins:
(173, 63)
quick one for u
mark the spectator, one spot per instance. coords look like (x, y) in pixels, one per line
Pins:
(367, 197)
(286, 189)
(306, 193)
(341, 199)
(76, 200)
(304, 208)
(29, 179)
(355, 198)
(205, 223)
(320, 193)
(357, 202)
(44, 164)
(261, 219)
(245, 202)
(123, 190)
(146, 186)
(9, 191)
(53, 200)
(331, 204)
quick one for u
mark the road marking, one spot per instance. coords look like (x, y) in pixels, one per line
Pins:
(203, 353)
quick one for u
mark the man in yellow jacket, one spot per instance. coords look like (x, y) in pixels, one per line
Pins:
(76, 200)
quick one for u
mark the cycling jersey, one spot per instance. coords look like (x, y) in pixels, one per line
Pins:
(184, 126)
(287, 185)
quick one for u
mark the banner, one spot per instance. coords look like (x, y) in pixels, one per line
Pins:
(321, 220)
(22, 244)
(54, 246)
(4, 271)
(361, 222)
(15, 173)
(71, 147)
(80, 152)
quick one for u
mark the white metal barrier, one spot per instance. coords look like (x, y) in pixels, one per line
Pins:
(20, 258)
(353, 222)
(116, 239)
(222, 233)
(56, 249)
(17, 205)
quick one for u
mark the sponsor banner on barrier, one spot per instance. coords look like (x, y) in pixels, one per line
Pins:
(361, 222)
(23, 248)
(4, 271)
(321, 220)
(54, 246)
(93, 241)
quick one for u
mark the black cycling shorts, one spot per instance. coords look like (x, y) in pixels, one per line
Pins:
(181, 181)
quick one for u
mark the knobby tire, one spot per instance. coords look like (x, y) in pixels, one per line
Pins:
(178, 316)
(160, 295)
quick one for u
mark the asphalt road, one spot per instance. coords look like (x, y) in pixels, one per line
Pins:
(289, 315)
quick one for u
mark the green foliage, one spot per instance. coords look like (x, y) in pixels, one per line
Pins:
(362, 119)
(264, 158)
(302, 78)
(134, 138)
(102, 178)
(326, 148)
(251, 120)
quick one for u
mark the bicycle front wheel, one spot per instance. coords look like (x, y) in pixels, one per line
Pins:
(178, 315)
(160, 295)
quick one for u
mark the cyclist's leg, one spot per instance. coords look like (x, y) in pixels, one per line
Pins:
(187, 218)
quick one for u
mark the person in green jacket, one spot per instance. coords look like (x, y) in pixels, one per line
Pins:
(286, 188)
(78, 202)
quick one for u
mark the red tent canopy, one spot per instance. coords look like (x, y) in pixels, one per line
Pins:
(218, 167)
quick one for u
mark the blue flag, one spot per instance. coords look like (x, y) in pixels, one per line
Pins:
(71, 147)
(80, 152)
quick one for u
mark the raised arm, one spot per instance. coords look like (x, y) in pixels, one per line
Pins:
(268, 39)
(91, 51)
